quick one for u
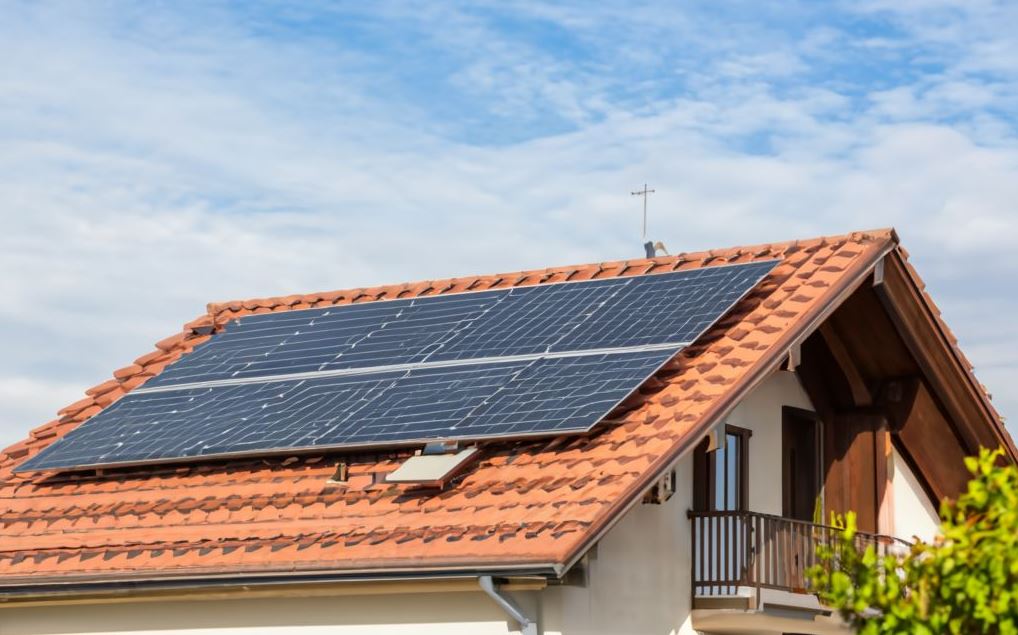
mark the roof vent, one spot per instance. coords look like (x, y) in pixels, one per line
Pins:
(653, 250)
(340, 476)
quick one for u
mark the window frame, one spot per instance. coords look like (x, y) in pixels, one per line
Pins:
(704, 470)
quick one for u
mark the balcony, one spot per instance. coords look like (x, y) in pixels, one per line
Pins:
(740, 556)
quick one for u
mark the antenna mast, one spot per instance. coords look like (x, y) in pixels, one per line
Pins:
(644, 193)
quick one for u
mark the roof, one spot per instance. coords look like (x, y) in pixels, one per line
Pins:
(523, 504)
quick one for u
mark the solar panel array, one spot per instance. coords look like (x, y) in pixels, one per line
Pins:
(610, 313)
(524, 361)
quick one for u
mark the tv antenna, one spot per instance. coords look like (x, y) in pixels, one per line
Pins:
(644, 193)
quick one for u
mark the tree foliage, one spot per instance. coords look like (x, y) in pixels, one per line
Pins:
(965, 582)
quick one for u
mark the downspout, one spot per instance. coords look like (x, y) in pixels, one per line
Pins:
(528, 626)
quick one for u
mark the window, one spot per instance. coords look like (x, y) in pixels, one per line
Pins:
(722, 476)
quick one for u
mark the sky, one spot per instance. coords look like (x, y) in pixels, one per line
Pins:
(158, 156)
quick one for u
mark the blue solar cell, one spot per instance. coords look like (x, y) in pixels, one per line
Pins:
(638, 311)
(653, 307)
(616, 312)
(351, 336)
(513, 399)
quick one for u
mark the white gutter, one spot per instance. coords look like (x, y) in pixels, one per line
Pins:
(528, 626)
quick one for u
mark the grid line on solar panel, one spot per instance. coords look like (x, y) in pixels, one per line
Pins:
(565, 394)
(615, 312)
(449, 363)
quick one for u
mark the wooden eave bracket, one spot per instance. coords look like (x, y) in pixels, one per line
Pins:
(861, 393)
(794, 357)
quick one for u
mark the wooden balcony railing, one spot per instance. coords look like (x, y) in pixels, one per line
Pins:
(733, 549)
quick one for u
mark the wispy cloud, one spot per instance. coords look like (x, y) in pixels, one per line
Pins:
(155, 158)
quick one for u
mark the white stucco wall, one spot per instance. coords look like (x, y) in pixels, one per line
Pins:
(915, 515)
(425, 613)
(638, 578)
(761, 413)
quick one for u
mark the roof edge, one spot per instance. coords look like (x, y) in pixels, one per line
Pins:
(723, 406)
(949, 342)
(439, 286)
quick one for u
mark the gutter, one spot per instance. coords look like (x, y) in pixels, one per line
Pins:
(528, 625)
(204, 587)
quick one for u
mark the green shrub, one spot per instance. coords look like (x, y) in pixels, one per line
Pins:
(965, 582)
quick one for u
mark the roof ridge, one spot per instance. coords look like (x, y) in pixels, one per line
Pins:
(542, 275)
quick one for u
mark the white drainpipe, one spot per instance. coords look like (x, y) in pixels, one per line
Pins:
(528, 626)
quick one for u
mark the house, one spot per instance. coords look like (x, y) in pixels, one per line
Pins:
(831, 385)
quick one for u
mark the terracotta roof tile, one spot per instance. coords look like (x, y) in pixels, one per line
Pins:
(522, 502)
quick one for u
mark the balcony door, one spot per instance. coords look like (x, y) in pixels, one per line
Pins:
(801, 465)
(720, 493)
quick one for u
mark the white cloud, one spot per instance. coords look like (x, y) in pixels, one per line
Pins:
(25, 399)
(148, 170)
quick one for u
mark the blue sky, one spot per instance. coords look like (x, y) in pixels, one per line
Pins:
(156, 156)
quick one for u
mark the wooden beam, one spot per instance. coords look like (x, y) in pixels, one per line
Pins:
(851, 467)
(897, 399)
(964, 402)
(884, 456)
(927, 438)
(860, 363)
(823, 379)
(867, 331)
(856, 382)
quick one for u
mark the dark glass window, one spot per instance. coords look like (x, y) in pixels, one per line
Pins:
(721, 479)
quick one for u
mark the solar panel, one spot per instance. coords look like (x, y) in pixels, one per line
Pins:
(514, 399)
(669, 308)
(539, 360)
